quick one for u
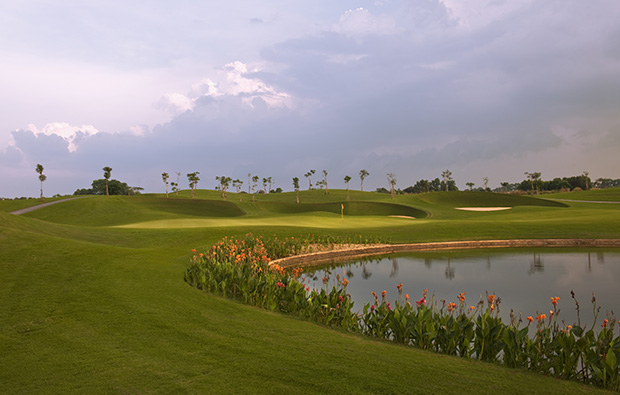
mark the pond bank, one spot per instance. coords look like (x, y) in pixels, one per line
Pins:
(381, 249)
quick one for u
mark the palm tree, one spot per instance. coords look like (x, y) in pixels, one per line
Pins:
(325, 181)
(107, 172)
(42, 177)
(486, 183)
(363, 174)
(165, 176)
(237, 185)
(308, 175)
(392, 181)
(470, 185)
(254, 184)
(193, 180)
(346, 181)
(224, 183)
(447, 177)
(296, 186)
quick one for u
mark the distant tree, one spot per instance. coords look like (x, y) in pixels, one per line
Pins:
(485, 180)
(534, 177)
(435, 185)
(325, 182)
(264, 184)
(363, 174)
(447, 177)
(346, 181)
(504, 186)
(586, 179)
(269, 181)
(320, 184)
(237, 185)
(103, 186)
(193, 181)
(178, 182)
(107, 172)
(165, 176)
(42, 177)
(175, 187)
(135, 190)
(470, 185)
(249, 183)
(296, 186)
(224, 184)
(308, 175)
(392, 182)
(254, 184)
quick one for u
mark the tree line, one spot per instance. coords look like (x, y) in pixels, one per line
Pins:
(533, 183)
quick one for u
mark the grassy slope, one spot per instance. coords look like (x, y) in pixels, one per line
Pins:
(89, 308)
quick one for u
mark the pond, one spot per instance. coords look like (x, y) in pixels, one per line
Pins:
(525, 280)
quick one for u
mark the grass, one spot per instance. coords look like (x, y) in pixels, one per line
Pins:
(92, 297)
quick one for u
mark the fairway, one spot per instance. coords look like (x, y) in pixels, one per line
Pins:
(92, 297)
(298, 221)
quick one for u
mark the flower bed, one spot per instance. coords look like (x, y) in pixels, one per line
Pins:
(241, 269)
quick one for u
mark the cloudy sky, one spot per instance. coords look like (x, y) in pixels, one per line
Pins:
(484, 88)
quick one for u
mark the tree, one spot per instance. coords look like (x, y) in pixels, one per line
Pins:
(308, 175)
(42, 177)
(249, 183)
(485, 180)
(254, 184)
(107, 172)
(224, 184)
(165, 176)
(447, 177)
(193, 180)
(470, 185)
(392, 181)
(346, 181)
(237, 185)
(325, 181)
(296, 186)
(363, 174)
(269, 181)
(587, 179)
(504, 185)
(534, 178)
(175, 187)
(178, 181)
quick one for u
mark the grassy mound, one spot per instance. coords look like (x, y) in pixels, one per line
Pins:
(601, 195)
(350, 208)
(486, 199)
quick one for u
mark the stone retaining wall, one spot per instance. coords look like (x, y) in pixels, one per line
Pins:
(318, 257)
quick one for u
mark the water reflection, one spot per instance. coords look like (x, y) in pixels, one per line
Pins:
(525, 280)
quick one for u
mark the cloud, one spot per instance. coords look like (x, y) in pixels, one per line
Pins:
(360, 22)
(70, 134)
(234, 79)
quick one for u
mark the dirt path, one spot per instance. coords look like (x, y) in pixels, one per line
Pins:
(38, 206)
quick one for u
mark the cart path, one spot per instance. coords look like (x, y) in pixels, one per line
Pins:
(38, 206)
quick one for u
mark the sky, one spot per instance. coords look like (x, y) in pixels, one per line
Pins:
(483, 88)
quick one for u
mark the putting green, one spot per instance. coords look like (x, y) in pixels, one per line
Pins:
(300, 221)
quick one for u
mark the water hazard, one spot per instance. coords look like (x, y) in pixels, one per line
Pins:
(524, 280)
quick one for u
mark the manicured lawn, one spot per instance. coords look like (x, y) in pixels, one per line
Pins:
(92, 298)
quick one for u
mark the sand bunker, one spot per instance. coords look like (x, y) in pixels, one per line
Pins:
(483, 208)
(401, 216)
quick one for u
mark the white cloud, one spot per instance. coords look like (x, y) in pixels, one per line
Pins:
(361, 22)
(62, 129)
(231, 80)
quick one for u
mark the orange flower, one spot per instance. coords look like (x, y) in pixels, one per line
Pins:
(530, 319)
(345, 282)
